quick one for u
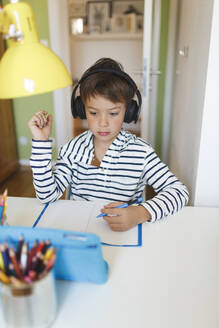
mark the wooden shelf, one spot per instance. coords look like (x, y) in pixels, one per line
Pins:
(108, 36)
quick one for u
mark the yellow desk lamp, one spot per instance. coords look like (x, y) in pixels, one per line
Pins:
(27, 67)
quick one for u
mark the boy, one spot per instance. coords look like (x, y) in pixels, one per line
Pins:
(105, 162)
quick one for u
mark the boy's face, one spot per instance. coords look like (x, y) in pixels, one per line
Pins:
(104, 118)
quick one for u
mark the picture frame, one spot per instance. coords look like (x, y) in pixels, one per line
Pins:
(119, 23)
(76, 25)
(77, 9)
(98, 12)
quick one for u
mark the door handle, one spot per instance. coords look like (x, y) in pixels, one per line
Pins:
(155, 72)
(138, 72)
(152, 72)
(184, 52)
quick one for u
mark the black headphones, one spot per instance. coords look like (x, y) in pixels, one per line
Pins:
(133, 108)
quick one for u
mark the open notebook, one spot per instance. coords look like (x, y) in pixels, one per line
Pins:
(81, 216)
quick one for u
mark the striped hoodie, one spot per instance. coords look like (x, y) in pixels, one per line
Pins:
(127, 167)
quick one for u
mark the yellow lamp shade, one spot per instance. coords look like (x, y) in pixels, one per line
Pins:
(27, 67)
(31, 69)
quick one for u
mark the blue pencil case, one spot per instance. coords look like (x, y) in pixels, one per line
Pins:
(79, 255)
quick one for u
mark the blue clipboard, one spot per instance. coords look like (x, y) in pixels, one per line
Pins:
(139, 237)
(79, 255)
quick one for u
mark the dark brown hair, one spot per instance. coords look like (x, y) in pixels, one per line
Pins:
(106, 84)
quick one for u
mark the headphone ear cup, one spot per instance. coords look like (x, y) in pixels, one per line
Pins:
(132, 111)
(78, 109)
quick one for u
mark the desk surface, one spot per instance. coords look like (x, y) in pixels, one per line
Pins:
(171, 281)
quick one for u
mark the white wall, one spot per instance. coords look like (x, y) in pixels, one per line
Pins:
(59, 37)
(192, 109)
(207, 180)
(85, 52)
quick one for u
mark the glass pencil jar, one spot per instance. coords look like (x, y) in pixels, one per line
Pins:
(25, 306)
(3, 221)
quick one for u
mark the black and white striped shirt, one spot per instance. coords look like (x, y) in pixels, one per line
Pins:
(128, 165)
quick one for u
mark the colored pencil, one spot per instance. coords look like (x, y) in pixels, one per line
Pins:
(20, 243)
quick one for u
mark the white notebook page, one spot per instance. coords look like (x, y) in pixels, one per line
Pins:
(81, 216)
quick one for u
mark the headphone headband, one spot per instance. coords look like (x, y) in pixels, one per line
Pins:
(109, 70)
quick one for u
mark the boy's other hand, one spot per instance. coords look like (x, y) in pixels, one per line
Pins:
(122, 219)
(40, 125)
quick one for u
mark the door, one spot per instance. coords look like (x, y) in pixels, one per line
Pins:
(195, 24)
(146, 78)
(8, 149)
(54, 9)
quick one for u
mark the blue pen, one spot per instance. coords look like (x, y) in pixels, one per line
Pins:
(130, 202)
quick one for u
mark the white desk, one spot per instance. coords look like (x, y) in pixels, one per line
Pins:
(172, 281)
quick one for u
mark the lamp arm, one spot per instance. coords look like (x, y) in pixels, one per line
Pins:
(5, 21)
(17, 23)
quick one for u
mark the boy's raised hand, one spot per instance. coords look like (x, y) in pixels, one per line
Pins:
(40, 125)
